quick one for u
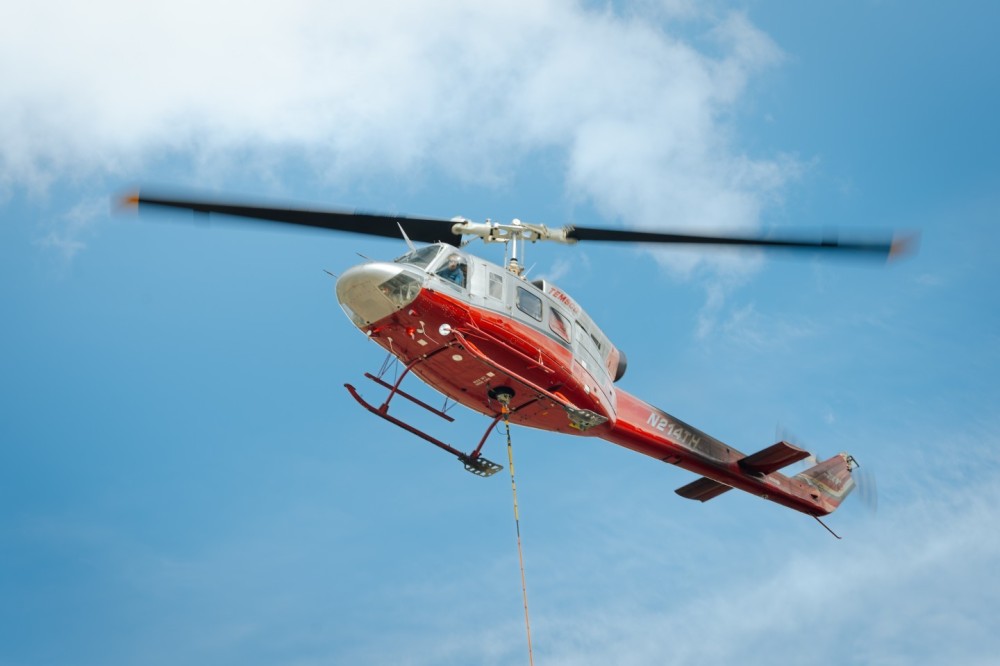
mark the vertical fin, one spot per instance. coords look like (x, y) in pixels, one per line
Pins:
(830, 479)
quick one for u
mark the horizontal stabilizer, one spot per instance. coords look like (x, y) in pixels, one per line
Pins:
(773, 458)
(702, 490)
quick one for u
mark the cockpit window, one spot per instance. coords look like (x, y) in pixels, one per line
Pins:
(421, 257)
(453, 270)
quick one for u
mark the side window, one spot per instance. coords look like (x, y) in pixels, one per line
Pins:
(586, 346)
(529, 303)
(558, 324)
(582, 337)
(496, 286)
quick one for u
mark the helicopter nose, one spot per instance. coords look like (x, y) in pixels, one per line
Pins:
(371, 292)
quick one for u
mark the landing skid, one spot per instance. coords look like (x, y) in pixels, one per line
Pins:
(473, 462)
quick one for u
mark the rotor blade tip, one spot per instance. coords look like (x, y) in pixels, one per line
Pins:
(903, 245)
(128, 202)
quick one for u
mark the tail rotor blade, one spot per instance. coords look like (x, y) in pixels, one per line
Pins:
(864, 479)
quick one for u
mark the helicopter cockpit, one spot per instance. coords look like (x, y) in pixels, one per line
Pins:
(420, 257)
(441, 260)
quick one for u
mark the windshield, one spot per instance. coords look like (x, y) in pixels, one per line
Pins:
(421, 257)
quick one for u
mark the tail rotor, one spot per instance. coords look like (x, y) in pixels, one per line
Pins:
(864, 480)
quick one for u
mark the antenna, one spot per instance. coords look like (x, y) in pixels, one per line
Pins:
(406, 238)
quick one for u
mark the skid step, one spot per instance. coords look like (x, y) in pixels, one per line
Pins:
(480, 466)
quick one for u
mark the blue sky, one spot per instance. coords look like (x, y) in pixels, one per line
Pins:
(185, 480)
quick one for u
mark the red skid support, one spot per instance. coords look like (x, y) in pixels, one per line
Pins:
(474, 462)
(405, 426)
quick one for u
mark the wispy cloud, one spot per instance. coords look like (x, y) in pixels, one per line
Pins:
(66, 234)
(560, 268)
(638, 109)
(884, 595)
(749, 328)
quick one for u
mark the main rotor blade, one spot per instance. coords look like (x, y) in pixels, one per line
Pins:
(877, 248)
(426, 230)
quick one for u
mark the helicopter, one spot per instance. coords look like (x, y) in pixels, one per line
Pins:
(486, 337)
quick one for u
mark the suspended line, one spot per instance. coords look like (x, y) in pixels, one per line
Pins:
(517, 525)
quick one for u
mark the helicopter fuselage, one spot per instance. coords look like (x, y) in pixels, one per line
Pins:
(525, 351)
(484, 335)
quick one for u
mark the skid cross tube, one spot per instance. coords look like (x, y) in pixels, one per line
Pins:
(489, 429)
(395, 390)
(473, 462)
(378, 411)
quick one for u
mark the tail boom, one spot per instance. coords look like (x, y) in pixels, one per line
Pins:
(816, 491)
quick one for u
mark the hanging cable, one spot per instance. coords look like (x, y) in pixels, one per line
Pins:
(517, 525)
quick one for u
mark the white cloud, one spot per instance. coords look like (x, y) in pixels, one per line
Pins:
(108, 87)
(560, 268)
(751, 329)
(884, 595)
(67, 233)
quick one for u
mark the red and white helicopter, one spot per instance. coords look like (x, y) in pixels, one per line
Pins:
(488, 338)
